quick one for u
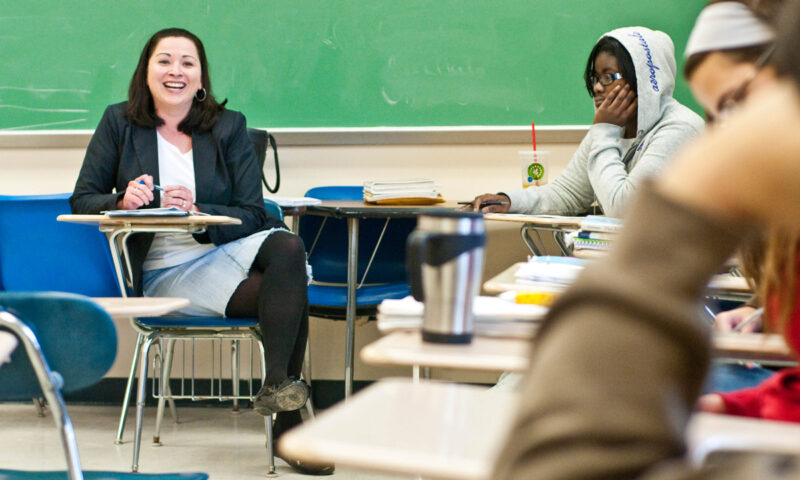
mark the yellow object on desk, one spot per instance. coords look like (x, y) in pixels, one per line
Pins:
(535, 298)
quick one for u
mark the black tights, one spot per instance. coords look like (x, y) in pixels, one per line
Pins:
(276, 292)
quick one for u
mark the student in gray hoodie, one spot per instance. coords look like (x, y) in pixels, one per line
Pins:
(637, 127)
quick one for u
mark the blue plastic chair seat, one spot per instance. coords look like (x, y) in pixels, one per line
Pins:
(335, 296)
(197, 322)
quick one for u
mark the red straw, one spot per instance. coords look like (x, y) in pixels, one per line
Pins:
(533, 134)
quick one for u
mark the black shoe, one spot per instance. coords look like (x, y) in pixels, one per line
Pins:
(307, 468)
(291, 394)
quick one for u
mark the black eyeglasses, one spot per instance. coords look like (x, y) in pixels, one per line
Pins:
(605, 79)
(731, 102)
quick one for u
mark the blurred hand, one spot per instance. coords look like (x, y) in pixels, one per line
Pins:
(617, 107)
(178, 196)
(504, 203)
(710, 403)
(136, 194)
(727, 321)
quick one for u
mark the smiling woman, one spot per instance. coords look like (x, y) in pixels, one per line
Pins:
(173, 132)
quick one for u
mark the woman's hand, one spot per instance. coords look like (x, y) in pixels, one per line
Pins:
(178, 196)
(618, 107)
(498, 204)
(137, 194)
(728, 321)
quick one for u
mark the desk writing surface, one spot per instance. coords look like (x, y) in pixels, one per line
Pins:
(506, 281)
(405, 347)
(543, 220)
(104, 220)
(8, 342)
(709, 432)
(361, 209)
(431, 429)
(120, 307)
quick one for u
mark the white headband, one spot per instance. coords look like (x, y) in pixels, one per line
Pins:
(727, 25)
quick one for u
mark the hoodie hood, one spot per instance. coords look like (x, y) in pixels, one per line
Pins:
(653, 56)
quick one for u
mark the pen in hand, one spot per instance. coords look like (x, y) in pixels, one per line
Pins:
(750, 319)
(157, 187)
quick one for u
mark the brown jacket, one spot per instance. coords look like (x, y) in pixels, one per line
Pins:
(622, 357)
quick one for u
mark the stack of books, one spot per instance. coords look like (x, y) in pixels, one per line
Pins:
(596, 234)
(412, 191)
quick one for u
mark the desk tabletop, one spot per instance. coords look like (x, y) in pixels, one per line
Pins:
(143, 221)
(361, 209)
(708, 432)
(431, 429)
(505, 281)
(450, 431)
(119, 307)
(542, 220)
(762, 347)
(8, 342)
(405, 347)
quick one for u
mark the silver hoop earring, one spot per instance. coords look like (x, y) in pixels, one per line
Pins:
(197, 95)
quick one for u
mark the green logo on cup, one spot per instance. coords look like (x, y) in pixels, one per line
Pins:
(536, 171)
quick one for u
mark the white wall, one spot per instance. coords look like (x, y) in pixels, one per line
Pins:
(462, 170)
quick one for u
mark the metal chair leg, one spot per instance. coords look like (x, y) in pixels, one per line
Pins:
(268, 418)
(164, 387)
(128, 388)
(140, 396)
(39, 403)
(235, 374)
(307, 378)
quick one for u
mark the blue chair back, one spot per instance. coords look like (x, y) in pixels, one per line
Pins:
(273, 208)
(329, 256)
(39, 253)
(76, 335)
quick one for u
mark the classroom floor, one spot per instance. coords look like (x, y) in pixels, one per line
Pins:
(210, 440)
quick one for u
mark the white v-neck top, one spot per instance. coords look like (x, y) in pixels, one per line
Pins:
(170, 249)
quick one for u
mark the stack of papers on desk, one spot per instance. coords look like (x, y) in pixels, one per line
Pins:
(152, 212)
(493, 316)
(294, 201)
(547, 269)
(410, 191)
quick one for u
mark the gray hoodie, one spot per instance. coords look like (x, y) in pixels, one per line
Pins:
(600, 168)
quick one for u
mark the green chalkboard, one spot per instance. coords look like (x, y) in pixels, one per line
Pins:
(335, 63)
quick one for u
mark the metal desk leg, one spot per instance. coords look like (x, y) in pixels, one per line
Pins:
(352, 273)
(558, 236)
(527, 239)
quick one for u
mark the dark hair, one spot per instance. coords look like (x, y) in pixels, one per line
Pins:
(611, 46)
(766, 10)
(141, 111)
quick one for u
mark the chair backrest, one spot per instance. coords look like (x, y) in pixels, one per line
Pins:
(39, 253)
(76, 335)
(273, 208)
(328, 258)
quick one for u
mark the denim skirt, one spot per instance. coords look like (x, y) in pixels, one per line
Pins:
(210, 280)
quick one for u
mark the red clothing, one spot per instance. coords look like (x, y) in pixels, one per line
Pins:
(778, 397)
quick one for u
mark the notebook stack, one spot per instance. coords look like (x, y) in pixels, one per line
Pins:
(596, 234)
(413, 191)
